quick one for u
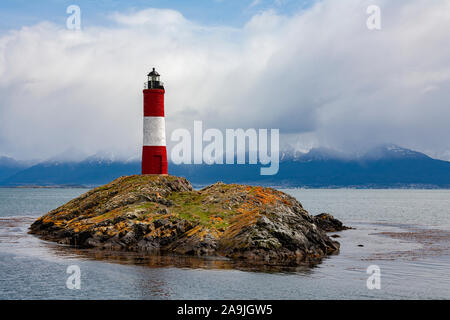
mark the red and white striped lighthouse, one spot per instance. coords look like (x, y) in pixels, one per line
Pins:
(154, 153)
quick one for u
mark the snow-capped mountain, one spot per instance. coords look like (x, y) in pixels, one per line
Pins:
(391, 151)
(315, 154)
(385, 151)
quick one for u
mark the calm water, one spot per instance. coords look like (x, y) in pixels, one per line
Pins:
(405, 232)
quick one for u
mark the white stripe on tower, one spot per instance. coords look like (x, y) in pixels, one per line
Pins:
(154, 131)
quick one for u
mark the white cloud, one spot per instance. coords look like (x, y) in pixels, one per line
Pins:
(151, 17)
(254, 3)
(319, 75)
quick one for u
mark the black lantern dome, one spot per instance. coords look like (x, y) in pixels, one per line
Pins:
(154, 81)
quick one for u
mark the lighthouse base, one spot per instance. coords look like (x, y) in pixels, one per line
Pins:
(154, 160)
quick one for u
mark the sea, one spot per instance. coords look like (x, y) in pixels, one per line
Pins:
(399, 248)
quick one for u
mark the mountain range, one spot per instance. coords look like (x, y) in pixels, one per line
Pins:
(386, 166)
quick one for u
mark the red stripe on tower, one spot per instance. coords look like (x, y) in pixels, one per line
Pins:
(154, 153)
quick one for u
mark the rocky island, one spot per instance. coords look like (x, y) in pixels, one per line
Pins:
(165, 215)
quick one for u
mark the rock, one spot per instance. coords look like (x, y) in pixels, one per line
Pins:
(328, 223)
(163, 214)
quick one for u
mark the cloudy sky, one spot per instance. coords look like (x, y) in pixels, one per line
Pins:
(309, 68)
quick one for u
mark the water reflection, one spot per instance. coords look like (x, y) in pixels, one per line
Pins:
(175, 261)
(14, 232)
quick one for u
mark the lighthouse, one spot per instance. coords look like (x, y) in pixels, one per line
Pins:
(154, 153)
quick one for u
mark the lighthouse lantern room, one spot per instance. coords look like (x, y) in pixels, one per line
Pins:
(154, 153)
(154, 81)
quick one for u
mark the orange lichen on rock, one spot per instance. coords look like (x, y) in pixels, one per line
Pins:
(265, 195)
